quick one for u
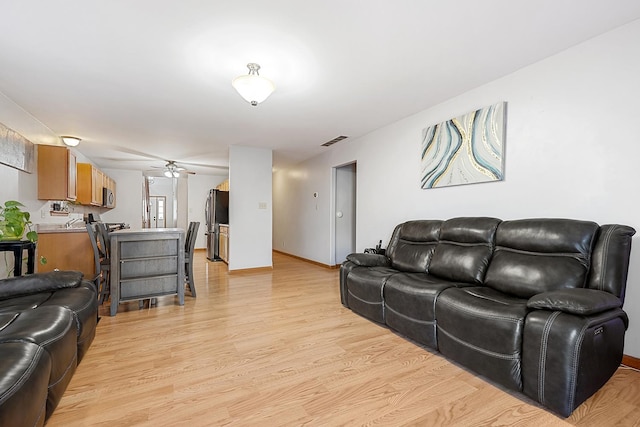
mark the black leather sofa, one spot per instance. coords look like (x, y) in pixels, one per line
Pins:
(534, 305)
(47, 323)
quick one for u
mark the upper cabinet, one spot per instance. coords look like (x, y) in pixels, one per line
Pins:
(56, 173)
(89, 184)
(224, 185)
(60, 177)
(110, 185)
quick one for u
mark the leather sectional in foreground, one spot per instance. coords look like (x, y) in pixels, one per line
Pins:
(47, 323)
(534, 305)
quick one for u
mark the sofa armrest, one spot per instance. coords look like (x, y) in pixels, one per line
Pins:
(40, 282)
(578, 301)
(368, 260)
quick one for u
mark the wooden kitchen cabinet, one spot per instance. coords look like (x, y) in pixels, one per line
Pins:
(91, 181)
(109, 184)
(98, 184)
(66, 250)
(57, 178)
(223, 243)
(89, 184)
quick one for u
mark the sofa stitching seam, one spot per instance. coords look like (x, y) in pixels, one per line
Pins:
(41, 413)
(576, 255)
(424, 322)
(605, 258)
(544, 345)
(61, 334)
(25, 375)
(362, 299)
(64, 374)
(503, 356)
(574, 365)
(483, 315)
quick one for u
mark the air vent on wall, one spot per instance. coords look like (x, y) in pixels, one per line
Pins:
(334, 140)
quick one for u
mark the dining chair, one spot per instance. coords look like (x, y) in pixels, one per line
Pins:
(189, 244)
(101, 261)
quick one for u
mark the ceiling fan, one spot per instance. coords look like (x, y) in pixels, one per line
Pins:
(143, 160)
(172, 170)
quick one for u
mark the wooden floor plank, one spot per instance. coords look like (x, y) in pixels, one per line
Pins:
(277, 348)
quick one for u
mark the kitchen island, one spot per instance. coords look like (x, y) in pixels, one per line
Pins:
(145, 264)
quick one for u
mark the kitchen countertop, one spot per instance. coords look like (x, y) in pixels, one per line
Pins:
(60, 228)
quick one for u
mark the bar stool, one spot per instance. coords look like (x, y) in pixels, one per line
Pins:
(189, 244)
(101, 260)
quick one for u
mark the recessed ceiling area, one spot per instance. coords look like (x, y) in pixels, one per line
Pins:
(146, 81)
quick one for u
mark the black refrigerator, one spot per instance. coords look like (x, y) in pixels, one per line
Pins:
(216, 212)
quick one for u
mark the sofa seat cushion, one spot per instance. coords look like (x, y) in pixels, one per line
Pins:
(364, 291)
(409, 300)
(25, 368)
(482, 329)
(54, 329)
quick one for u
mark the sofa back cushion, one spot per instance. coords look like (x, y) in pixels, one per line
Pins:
(412, 245)
(540, 255)
(464, 250)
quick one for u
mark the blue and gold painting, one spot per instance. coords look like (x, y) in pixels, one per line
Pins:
(465, 150)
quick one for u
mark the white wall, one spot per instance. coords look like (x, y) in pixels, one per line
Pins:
(128, 198)
(199, 186)
(571, 151)
(19, 185)
(250, 218)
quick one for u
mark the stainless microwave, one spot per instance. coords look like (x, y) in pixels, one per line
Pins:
(108, 198)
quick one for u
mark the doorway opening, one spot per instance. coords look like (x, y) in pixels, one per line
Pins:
(345, 211)
(157, 216)
(175, 206)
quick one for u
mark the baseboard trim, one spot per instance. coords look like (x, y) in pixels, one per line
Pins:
(252, 270)
(632, 362)
(308, 260)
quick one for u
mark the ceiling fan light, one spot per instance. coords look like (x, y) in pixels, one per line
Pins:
(252, 87)
(168, 173)
(70, 141)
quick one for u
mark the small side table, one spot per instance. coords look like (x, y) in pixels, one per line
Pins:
(17, 247)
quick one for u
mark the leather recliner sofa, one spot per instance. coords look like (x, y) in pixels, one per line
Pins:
(534, 305)
(47, 323)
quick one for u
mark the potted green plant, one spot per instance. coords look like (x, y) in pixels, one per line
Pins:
(14, 222)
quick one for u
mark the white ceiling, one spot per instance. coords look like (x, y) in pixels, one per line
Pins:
(144, 80)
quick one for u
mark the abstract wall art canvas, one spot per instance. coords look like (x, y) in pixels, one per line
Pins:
(465, 150)
(16, 150)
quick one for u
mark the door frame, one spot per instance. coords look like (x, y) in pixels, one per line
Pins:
(333, 208)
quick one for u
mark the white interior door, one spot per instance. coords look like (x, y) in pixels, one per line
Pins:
(345, 211)
(157, 211)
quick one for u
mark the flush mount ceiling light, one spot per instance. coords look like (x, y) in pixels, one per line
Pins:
(253, 88)
(70, 141)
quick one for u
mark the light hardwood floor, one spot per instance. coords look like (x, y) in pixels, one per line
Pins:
(274, 348)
